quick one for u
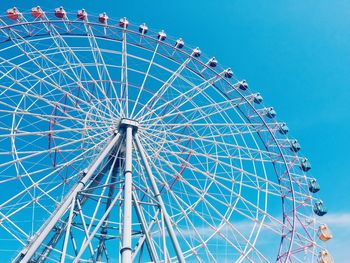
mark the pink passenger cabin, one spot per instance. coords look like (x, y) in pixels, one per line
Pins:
(13, 13)
(60, 12)
(37, 12)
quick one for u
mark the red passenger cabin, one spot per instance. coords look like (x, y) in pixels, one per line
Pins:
(103, 18)
(123, 22)
(60, 12)
(82, 15)
(37, 12)
(13, 13)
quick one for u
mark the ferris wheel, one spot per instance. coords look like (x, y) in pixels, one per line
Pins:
(121, 144)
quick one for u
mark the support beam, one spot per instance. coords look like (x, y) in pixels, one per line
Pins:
(97, 227)
(85, 228)
(155, 190)
(143, 238)
(66, 238)
(126, 249)
(142, 220)
(111, 179)
(54, 239)
(26, 254)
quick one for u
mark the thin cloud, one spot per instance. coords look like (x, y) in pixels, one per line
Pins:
(338, 220)
(339, 224)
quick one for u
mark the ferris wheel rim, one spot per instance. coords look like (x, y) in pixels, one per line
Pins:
(248, 102)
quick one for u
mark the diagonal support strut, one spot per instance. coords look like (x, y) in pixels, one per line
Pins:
(156, 192)
(26, 254)
(127, 134)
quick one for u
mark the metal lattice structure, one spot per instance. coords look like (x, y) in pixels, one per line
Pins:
(122, 144)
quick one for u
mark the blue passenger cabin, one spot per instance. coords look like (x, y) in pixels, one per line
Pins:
(283, 129)
(305, 165)
(143, 29)
(270, 112)
(179, 43)
(228, 73)
(197, 52)
(314, 187)
(213, 62)
(295, 146)
(319, 208)
(258, 98)
(161, 35)
(242, 85)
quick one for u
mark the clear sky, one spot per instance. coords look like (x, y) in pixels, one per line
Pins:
(295, 53)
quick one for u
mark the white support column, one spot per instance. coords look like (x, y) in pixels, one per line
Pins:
(126, 249)
(26, 254)
(157, 195)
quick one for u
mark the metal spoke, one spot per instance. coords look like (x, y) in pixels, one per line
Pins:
(119, 143)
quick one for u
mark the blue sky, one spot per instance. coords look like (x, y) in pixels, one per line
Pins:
(295, 53)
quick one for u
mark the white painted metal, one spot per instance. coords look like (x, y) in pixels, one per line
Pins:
(86, 232)
(236, 138)
(157, 195)
(26, 254)
(66, 238)
(143, 238)
(97, 227)
(127, 216)
(144, 226)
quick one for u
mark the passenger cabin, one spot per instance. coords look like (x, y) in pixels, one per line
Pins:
(258, 98)
(13, 13)
(228, 73)
(324, 257)
(314, 187)
(196, 52)
(271, 113)
(37, 12)
(295, 146)
(283, 129)
(324, 233)
(212, 62)
(82, 14)
(143, 29)
(161, 35)
(305, 165)
(319, 208)
(179, 43)
(60, 12)
(103, 18)
(242, 85)
(123, 22)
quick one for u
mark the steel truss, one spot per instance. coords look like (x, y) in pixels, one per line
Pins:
(221, 161)
(62, 219)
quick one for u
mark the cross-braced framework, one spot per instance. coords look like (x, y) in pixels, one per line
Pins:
(120, 144)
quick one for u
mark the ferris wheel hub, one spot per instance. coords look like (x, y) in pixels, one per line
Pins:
(125, 123)
(209, 163)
